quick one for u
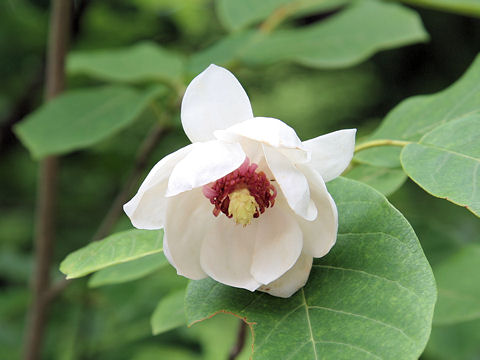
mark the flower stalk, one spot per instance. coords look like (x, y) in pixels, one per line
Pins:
(382, 142)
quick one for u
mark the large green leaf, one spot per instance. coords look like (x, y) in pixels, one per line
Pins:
(81, 118)
(236, 14)
(446, 161)
(224, 52)
(459, 287)
(342, 40)
(371, 297)
(465, 7)
(128, 271)
(416, 116)
(169, 313)
(386, 180)
(138, 63)
(115, 249)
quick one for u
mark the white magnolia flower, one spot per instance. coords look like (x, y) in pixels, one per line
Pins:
(246, 202)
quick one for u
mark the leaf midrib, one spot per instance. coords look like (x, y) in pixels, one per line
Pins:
(103, 248)
(449, 151)
(309, 324)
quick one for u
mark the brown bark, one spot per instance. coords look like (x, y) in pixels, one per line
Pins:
(47, 185)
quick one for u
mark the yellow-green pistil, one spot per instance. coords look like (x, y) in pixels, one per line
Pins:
(242, 206)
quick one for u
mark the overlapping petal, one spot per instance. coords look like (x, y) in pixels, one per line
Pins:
(226, 254)
(189, 217)
(277, 247)
(292, 280)
(331, 153)
(319, 235)
(292, 182)
(214, 100)
(146, 209)
(207, 162)
(266, 130)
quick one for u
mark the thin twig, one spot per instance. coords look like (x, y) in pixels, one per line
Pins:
(146, 149)
(153, 138)
(47, 184)
(43, 250)
(239, 344)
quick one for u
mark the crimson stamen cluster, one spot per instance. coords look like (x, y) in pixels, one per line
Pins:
(244, 177)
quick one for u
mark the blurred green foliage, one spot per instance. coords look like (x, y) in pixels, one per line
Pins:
(113, 322)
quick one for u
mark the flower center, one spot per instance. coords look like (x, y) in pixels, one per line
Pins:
(243, 194)
(242, 206)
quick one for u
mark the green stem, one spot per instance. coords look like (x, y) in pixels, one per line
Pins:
(382, 142)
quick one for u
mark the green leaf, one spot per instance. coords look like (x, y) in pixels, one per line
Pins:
(383, 179)
(371, 297)
(459, 341)
(342, 40)
(169, 313)
(114, 249)
(458, 287)
(442, 227)
(81, 118)
(416, 116)
(128, 271)
(142, 62)
(224, 52)
(236, 15)
(464, 7)
(446, 162)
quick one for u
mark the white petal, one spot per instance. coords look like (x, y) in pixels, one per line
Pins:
(207, 162)
(331, 153)
(266, 130)
(292, 182)
(292, 280)
(189, 216)
(166, 252)
(278, 244)
(227, 253)
(319, 235)
(146, 209)
(214, 100)
(296, 156)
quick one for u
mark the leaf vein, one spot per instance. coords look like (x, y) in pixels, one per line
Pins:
(396, 282)
(366, 318)
(351, 346)
(449, 151)
(278, 324)
(309, 325)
